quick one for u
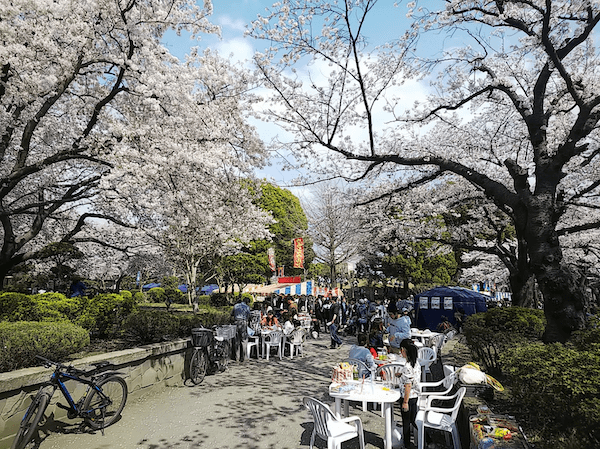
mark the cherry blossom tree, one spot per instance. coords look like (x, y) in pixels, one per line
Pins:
(76, 80)
(335, 227)
(514, 111)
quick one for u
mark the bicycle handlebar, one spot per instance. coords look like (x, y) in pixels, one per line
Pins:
(69, 368)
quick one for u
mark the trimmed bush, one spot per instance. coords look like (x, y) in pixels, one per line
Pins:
(150, 326)
(103, 314)
(557, 389)
(203, 300)
(174, 296)
(17, 307)
(156, 294)
(126, 294)
(489, 334)
(189, 321)
(219, 300)
(138, 297)
(21, 341)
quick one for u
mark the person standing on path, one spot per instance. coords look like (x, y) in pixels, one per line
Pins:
(241, 315)
(334, 324)
(410, 377)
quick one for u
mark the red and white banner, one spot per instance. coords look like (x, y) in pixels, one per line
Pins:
(271, 254)
(299, 253)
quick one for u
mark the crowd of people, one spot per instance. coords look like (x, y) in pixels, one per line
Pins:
(377, 324)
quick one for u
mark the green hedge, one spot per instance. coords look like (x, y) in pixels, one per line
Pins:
(156, 294)
(21, 341)
(150, 326)
(153, 326)
(101, 315)
(557, 388)
(489, 334)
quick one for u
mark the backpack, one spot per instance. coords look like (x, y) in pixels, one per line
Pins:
(362, 313)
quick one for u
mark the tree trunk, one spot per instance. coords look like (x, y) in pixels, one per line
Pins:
(563, 292)
(523, 288)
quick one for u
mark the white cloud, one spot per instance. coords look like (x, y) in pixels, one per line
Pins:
(237, 50)
(226, 21)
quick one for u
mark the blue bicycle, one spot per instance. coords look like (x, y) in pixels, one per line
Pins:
(100, 406)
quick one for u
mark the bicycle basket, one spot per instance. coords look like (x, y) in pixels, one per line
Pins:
(227, 331)
(202, 337)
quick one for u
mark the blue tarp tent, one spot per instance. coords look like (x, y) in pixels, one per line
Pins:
(208, 289)
(147, 287)
(432, 304)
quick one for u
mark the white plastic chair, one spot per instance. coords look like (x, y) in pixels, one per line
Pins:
(440, 418)
(426, 356)
(390, 372)
(434, 388)
(273, 340)
(437, 341)
(332, 429)
(253, 342)
(296, 341)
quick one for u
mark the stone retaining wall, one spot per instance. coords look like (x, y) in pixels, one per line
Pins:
(144, 368)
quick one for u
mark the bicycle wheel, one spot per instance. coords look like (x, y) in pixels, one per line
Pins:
(30, 421)
(198, 366)
(102, 408)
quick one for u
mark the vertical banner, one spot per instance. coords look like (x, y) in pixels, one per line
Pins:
(271, 254)
(299, 253)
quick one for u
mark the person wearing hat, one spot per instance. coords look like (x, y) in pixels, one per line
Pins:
(398, 327)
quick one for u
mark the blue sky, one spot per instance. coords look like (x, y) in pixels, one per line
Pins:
(233, 16)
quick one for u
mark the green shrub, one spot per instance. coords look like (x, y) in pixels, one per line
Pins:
(203, 300)
(43, 307)
(174, 296)
(21, 341)
(156, 294)
(126, 294)
(589, 338)
(219, 300)
(138, 297)
(17, 307)
(50, 297)
(557, 387)
(103, 314)
(150, 326)
(189, 321)
(491, 333)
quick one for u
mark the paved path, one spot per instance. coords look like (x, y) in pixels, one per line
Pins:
(255, 404)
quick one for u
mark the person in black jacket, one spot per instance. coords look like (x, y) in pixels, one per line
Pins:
(334, 324)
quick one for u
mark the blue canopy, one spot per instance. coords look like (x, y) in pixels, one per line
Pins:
(208, 289)
(147, 287)
(431, 305)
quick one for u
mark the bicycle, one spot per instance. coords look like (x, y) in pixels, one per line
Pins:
(99, 407)
(212, 348)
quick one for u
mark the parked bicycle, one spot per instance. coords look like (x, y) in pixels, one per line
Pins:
(212, 350)
(100, 406)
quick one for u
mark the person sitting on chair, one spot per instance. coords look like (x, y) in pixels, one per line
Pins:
(270, 321)
(361, 352)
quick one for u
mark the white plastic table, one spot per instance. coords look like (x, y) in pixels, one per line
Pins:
(370, 393)
(422, 336)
